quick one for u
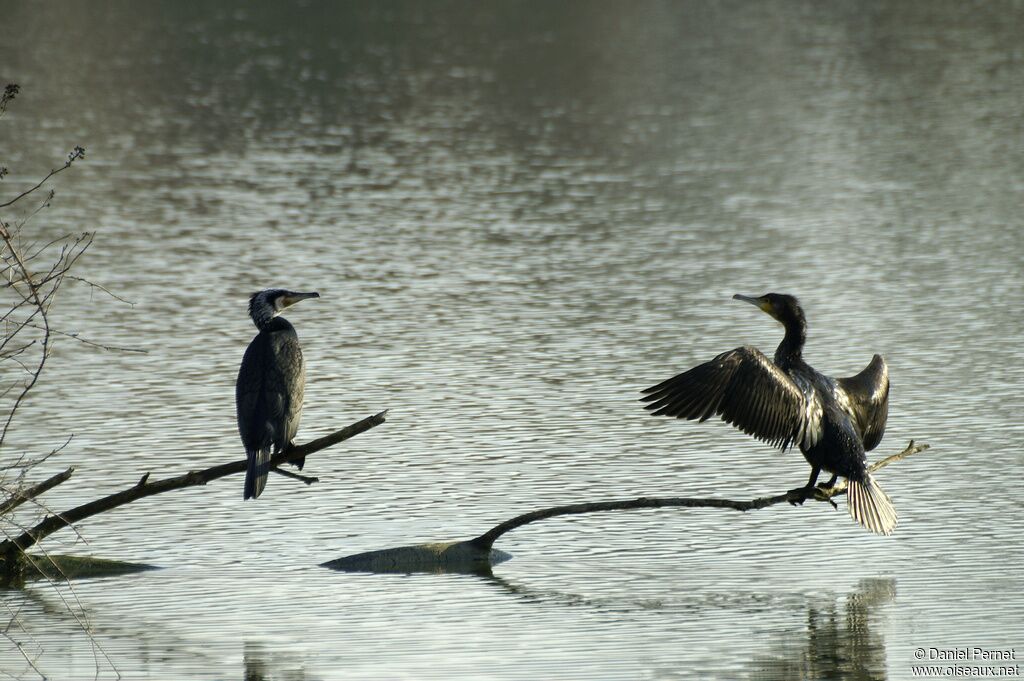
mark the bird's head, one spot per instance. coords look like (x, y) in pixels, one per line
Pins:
(782, 307)
(266, 304)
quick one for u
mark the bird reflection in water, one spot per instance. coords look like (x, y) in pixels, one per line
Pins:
(272, 664)
(841, 641)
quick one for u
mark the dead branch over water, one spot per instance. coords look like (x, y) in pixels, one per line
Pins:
(11, 549)
(487, 539)
(478, 555)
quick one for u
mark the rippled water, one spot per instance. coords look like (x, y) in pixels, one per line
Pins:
(518, 215)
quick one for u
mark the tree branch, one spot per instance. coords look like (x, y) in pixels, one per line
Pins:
(19, 497)
(477, 556)
(487, 539)
(38, 297)
(144, 488)
(78, 153)
(309, 480)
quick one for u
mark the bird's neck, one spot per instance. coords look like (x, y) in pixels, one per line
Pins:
(262, 316)
(790, 350)
(271, 323)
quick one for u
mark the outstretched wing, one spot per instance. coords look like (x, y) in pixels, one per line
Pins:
(747, 390)
(868, 397)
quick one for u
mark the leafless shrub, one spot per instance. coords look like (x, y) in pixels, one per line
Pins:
(32, 272)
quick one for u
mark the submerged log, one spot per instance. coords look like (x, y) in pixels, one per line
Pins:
(62, 568)
(455, 556)
(478, 555)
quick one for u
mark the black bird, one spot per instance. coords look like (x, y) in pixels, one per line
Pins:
(834, 421)
(271, 382)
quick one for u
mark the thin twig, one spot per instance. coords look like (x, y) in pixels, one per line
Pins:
(83, 620)
(45, 203)
(94, 344)
(78, 153)
(308, 479)
(39, 295)
(30, 463)
(93, 284)
(29, 661)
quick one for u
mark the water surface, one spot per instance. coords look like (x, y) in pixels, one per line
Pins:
(518, 215)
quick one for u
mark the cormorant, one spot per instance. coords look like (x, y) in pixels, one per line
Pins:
(271, 381)
(834, 421)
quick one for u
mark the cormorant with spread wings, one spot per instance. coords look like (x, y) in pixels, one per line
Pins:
(786, 403)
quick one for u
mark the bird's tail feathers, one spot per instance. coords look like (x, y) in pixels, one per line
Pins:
(257, 471)
(870, 506)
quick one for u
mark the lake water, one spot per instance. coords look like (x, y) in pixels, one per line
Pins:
(518, 215)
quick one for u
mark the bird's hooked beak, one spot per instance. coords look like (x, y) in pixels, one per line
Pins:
(293, 297)
(760, 302)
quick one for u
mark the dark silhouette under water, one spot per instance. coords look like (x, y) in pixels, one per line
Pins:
(785, 402)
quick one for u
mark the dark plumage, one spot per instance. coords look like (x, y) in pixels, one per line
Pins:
(787, 403)
(270, 385)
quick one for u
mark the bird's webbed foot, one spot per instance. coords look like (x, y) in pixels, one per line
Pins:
(824, 491)
(298, 463)
(830, 484)
(801, 494)
(798, 496)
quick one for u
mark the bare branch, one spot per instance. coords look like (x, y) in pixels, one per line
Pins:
(477, 556)
(82, 620)
(93, 284)
(39, 294)
(487, 539)
(45, 203)
(39, 251)
(22, 528)
(23, 463)
(77, 153)
(32, 291)
(18, 497)
(144, 488)
(308, 479)
(21, 649)
(12, 355)
(101, 346)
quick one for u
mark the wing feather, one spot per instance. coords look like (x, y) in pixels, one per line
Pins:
(249, 395)
(868, 396)
(289, 387)
(269, 391)
(743, 387)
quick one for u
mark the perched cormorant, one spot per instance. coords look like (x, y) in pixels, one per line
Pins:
(270, 385)
(786, 402)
